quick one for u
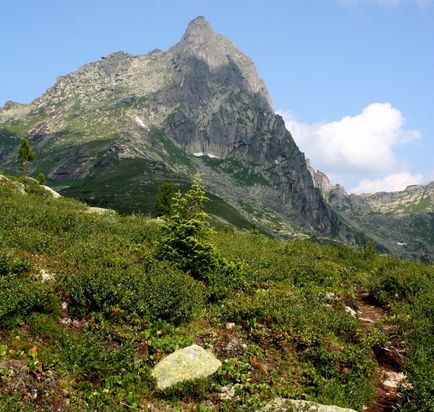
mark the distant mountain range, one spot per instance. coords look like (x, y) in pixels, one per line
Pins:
(113, 131)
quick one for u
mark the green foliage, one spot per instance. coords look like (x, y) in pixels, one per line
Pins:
(126, 310)
(158, 292)
(13, 266)
(185, 232)
(25, 154)
(21, 295)
(40, 177)
(165, 194)
(185, 243)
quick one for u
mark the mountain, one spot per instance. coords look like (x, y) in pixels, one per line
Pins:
(403, 222)
(113, 131)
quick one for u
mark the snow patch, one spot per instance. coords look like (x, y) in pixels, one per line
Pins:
(210, 155)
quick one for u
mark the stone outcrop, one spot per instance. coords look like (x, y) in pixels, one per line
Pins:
(52, 192)
(19, 187)
(413, 199)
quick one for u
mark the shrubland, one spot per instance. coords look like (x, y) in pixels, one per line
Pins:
(122, 292)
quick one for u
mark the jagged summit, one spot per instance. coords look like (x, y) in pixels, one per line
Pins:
(198, 30)
(201, 44)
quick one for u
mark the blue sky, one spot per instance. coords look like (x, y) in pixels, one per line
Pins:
(354, 79)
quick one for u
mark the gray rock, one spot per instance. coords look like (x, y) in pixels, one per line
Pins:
(100, 211)
(19, 187)
(185, 364)
(285, 405)
(52, 192)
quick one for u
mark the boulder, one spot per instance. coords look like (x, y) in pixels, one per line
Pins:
(185, 364)
(100, 211)
(52, 192)
(19, 187)
(291, 405)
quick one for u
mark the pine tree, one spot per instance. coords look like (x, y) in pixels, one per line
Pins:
(25, 154)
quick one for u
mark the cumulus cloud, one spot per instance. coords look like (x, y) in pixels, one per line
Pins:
(391, 183)
(423, 4)
(355, 147)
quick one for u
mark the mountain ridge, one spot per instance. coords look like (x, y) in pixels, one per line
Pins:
(401, 221)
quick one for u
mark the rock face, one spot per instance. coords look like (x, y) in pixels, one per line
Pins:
(185, 364)
(400, 222)
(414, 199)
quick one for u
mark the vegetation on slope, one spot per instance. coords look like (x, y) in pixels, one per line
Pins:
(90, 303)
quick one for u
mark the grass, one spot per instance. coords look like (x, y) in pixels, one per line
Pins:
(422, 206)
(87, 339)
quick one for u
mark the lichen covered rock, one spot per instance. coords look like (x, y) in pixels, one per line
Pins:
(185, 364)
(285, 405)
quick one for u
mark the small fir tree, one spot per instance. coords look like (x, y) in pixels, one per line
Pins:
(25, 154)
(185, 233)
(185, 242)
(165, 195)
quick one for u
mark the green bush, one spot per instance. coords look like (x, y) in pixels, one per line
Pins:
(89, 355)
(158, 291)
(20, 296)
(13, 266)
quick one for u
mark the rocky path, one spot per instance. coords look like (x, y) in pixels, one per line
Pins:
(389, 357)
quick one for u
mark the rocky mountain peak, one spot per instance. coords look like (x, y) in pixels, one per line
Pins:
(201, 45)
(198, 31)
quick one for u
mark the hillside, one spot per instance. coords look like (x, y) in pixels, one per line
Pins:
(88, 307)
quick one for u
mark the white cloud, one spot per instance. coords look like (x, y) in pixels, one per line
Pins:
(423, 4)
(355, 147)
(391, 183)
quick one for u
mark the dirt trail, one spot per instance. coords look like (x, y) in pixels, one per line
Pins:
(389, 357)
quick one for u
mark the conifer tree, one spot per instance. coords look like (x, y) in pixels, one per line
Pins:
(185, 233)
(25, 154)
(165, 195)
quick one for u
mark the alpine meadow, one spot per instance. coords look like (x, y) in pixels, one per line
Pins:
(165, 245)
